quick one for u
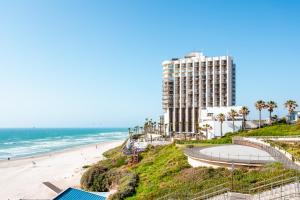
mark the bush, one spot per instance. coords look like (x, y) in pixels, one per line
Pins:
(190, 146)
(136, 136)
(92, 179)
(127, 186)
(227, 139)
(99, 178)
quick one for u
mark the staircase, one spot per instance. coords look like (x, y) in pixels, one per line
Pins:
(284, 192)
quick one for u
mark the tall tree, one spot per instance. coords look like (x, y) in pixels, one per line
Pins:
(271, 105)
(146, 127)
(244, 112)
(260, 105)
(221, 118)
(206, 128)
(197, 130)
(154, 127)
(291, 105)
(232, 115)
(141, 129)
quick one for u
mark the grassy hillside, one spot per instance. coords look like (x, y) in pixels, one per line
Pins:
(157, 170)
(165, 170)
(291, 147)
(275, 130)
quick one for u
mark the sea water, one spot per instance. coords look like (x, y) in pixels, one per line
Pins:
(16, 143)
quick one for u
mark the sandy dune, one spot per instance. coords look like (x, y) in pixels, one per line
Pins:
(22, 179)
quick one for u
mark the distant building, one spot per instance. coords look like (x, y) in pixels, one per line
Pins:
(193, 83)
(295, 116)
(208, 116)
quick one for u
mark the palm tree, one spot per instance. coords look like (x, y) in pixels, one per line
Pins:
(159, 127)
(136, 128)
(171, 130)
(221, 118)
(181, 128)
(154, 127)
(259, 105)
(275, 118)
(146, 125)
(197, 129)
(244, 112)
(271, 105)
(129, 133)
(291, 106)
(141, 129)
(206, 128)
(232, 115)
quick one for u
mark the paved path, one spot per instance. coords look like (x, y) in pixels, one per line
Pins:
(280, 155)
(230, 154)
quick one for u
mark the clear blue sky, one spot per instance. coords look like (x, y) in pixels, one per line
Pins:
(98, 63)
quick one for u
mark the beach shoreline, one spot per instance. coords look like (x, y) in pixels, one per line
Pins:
(22, 178)
(56, 152)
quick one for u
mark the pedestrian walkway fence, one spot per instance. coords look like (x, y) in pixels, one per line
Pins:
(283, 187)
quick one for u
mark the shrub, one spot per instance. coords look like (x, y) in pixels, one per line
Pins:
(189, 146)
(99, 178)
(127, 186)
(136, 136)
(91, 178)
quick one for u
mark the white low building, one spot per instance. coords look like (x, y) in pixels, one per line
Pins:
(295, 116)
(209, 116)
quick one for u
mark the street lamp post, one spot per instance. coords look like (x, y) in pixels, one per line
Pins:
(232, 169)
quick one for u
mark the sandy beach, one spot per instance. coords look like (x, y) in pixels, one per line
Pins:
(23, 178)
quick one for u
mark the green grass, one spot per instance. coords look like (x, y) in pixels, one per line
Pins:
(291, 147)
(227, 139)
(115, 158)
(108, 173)
(275, 130)
(164, 170)
(183, 145)
(157, 170)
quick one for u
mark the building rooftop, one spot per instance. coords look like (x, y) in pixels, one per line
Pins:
(75, 194)
(194, 55)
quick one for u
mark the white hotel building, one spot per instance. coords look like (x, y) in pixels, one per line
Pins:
(192, 84)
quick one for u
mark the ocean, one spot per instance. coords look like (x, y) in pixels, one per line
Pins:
(18, 143)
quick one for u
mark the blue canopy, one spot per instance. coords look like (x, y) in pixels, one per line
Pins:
(75, 194)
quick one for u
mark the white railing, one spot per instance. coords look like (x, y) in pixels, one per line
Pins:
(282, 156)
